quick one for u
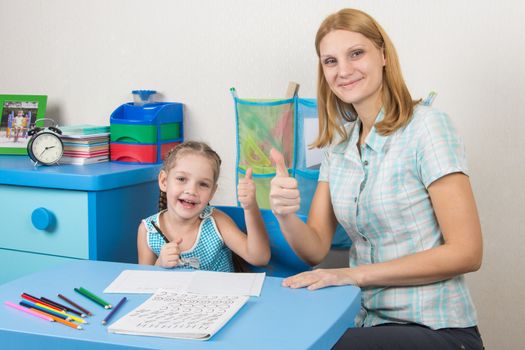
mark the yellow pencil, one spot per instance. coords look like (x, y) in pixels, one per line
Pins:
(69, 317)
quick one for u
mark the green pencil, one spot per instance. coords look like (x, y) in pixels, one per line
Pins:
(93, 297)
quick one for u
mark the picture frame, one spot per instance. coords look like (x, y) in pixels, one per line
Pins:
(18, 115)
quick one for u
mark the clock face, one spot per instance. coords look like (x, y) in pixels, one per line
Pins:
(46, 148)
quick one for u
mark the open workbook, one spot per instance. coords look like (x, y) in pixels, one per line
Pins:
(175, 314)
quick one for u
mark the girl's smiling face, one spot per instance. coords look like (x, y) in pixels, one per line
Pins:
(189, 185)
(353, 68)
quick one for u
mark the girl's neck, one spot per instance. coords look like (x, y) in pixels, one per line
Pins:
(179, 227)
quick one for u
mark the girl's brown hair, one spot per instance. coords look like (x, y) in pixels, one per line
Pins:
(397, 103)
(194, 147)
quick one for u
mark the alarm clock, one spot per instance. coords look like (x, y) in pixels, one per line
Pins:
(45, 145)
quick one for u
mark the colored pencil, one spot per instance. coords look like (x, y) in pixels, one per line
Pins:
(43, 308)
(67, 323)
(28, 310)
(87, 312)
(114, 310)
(36, 300)
(93, 297)
(68, 316)
(160, 232)
(63, 307)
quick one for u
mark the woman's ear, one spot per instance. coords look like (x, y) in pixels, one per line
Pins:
(163, 180)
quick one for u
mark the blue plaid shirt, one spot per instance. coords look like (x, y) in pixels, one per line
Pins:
(381, 200)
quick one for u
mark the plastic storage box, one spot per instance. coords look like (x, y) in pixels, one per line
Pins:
(145, 133)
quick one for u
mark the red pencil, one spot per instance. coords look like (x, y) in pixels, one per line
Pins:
(36, 300)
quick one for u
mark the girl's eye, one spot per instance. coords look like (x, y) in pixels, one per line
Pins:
(204, 184)
(180, 178)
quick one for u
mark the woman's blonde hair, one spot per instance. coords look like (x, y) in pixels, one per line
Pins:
(193, 147)
(397, 102)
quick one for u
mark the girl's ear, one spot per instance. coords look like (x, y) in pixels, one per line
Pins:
(163, 180)
(214, 190)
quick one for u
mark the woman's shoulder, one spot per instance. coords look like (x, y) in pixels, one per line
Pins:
(427, 119)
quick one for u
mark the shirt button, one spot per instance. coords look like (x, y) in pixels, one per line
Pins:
(365, 163)
(355, 199)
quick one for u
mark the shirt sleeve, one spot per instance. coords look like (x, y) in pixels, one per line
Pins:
(440, 149)
(324, 170)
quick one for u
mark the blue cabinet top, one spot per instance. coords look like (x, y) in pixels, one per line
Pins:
(20, 171)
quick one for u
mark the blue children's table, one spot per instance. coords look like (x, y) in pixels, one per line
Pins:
(281, 318)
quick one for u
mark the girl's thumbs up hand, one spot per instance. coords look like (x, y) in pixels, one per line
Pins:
(246, 191)
(284, 194)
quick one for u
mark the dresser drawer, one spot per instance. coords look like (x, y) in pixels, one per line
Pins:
(67, 231)
(25, 263)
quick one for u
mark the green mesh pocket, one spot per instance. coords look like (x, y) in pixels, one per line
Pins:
(264, 125)
(262, 184)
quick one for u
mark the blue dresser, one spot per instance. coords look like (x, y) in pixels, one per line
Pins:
(51, 215)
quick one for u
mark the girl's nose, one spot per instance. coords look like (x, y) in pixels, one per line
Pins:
(191, 189)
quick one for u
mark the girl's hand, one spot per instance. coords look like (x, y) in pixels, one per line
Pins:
(169, 254)
(246, 191)
(321, 278)
(284, 193)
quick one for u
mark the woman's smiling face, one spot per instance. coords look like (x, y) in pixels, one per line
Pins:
(353, 68)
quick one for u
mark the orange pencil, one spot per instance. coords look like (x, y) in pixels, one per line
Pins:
(67, 323)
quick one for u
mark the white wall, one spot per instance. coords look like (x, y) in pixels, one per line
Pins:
(88, 55)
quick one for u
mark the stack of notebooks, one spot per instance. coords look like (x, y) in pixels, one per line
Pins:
(85, 144)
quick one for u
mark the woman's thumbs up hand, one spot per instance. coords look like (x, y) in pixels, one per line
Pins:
(284, 193)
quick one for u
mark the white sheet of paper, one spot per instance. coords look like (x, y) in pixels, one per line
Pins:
(180, 315)
(201, 282)
(139, 281)
(314, 156)
(222, 283)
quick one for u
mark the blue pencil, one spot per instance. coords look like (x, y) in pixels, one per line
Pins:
(43, 309)
(106, 320)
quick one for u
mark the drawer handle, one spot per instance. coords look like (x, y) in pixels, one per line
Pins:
(42, 219)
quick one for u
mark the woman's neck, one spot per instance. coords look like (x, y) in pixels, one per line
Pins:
(367, 115)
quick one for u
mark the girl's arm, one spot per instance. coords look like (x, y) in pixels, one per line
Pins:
(146, 255)
(254, 247)
(169, 253)
(461, 252)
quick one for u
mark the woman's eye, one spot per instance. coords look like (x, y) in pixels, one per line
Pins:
(329, 61)
(356, 53)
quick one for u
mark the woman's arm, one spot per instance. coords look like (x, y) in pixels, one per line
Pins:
(311, 241)
(461, 252)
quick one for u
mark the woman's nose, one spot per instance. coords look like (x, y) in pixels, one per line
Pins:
(345, 69)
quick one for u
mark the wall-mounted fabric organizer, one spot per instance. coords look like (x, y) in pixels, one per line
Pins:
(278, 123)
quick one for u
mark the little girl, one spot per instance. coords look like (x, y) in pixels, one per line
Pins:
(187, 229)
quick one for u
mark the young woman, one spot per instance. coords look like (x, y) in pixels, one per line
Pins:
(395, 177)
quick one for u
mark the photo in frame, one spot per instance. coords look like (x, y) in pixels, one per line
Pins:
(18, 115)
